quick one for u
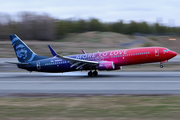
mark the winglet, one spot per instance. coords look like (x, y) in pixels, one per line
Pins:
(83, 52)
(52, 51)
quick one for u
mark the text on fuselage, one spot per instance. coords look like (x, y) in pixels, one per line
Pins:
(103, 54)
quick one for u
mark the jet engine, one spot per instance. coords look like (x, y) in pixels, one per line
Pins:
(106, 65)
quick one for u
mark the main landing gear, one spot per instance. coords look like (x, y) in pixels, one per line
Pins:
(90, 73)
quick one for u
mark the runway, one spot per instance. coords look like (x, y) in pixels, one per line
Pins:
(107, 83)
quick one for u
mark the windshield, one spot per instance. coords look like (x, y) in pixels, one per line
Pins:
(166, 50)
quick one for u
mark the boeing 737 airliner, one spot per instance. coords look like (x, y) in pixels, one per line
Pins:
(108, 60)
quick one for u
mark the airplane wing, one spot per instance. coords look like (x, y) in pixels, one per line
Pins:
(75, 62)
(79, 63)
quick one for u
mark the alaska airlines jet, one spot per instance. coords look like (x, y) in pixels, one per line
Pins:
(108, 60)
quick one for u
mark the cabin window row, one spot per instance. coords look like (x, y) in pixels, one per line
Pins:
(55, 63)
(144, 53)
(95, 58)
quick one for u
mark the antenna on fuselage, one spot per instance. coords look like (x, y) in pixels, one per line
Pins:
(83, 52)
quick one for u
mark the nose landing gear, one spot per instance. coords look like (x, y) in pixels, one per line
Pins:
(161, 65)
(90, 73)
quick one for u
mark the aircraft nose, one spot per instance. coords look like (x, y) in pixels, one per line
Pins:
(173, 54)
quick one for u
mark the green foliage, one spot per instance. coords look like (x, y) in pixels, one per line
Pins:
(44, 27)
(95, 25)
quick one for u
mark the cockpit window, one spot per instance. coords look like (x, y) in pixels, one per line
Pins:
(166, 50)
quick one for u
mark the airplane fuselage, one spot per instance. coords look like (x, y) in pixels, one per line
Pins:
(117, 57)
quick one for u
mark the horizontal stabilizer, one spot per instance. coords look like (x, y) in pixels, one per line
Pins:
(52, 51)
(17, 63)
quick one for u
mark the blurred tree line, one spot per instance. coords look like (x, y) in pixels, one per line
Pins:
(33, 26)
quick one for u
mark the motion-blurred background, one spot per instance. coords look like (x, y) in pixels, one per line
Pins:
(92, 25)
(70, 26)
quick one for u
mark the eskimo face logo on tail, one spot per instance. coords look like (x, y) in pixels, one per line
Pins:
(21, 51)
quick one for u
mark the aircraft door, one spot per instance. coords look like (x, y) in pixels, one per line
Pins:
(156, 52)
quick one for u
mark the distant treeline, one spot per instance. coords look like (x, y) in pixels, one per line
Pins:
(33, 26)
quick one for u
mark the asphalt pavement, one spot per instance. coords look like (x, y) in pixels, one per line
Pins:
(107, 83)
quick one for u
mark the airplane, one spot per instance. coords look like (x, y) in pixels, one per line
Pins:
(107, 60)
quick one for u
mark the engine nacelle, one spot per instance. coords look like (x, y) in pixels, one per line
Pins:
(106, 65)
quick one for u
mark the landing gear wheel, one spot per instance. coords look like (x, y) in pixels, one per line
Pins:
(161, 66)
(95, 73)
(90, 73)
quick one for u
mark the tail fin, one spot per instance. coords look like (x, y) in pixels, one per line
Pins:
(23, 52)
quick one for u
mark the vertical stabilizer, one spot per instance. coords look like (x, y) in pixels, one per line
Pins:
(23, 52)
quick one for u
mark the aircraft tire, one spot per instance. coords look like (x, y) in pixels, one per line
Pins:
(161, 66)
(95, 73)
(90, 73)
